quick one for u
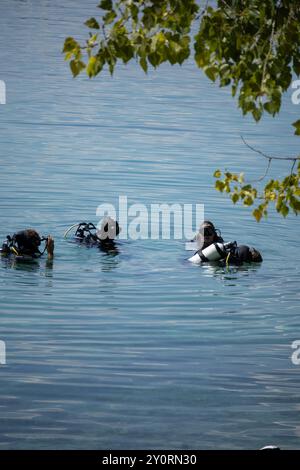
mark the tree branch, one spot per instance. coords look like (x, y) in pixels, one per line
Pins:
(267, 58)
(268, 156)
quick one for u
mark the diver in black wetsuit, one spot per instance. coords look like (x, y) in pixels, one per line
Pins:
(213, 248)
(227, 253)
(103, 238)
(244, 254)
(24, 245)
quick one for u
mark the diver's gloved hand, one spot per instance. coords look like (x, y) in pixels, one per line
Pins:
(5, 250)
(230, 246)
(50, 247)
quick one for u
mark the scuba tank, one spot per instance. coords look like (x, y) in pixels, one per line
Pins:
(213, 252)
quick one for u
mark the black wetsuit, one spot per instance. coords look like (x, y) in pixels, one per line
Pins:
(240, 254)
(84, 234)
(231, 253)
(22, 245)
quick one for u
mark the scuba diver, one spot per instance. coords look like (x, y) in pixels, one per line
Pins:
(213, 248)
(103, 238)
(24, 246)
(207, 235)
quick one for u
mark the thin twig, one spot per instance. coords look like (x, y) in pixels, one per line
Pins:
(263, 176)
(267, 169)
(293, 165)
(268, 156)
(203, 11)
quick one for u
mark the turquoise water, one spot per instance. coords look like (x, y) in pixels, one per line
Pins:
(138, 349)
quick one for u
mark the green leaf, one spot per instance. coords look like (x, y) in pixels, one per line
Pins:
(296, 65)
(284, 210)
(248, 201)
(91, 42)
(234, 90)
(296, 124)
(68, 55)
(134, 12)
(219, 185)
(111, 68)
(271, 107)
(217, 174)
(241, 178)
(211, 72)
(295, 204)
(256, 113)
(143, 64)
(76, 67)
(94, 66)
(92, 23)
(105, 4)
(109, 17)
(154, 59)
(70, 44)
(235, 197)
(247, 187)
(257, 214)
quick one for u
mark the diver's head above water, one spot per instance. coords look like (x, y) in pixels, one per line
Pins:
(255, 255)
(26, 243)
(103, 235)
(108, 230)
(247, 254)
(208, 234)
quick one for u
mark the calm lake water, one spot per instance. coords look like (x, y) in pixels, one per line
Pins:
(139, 349)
